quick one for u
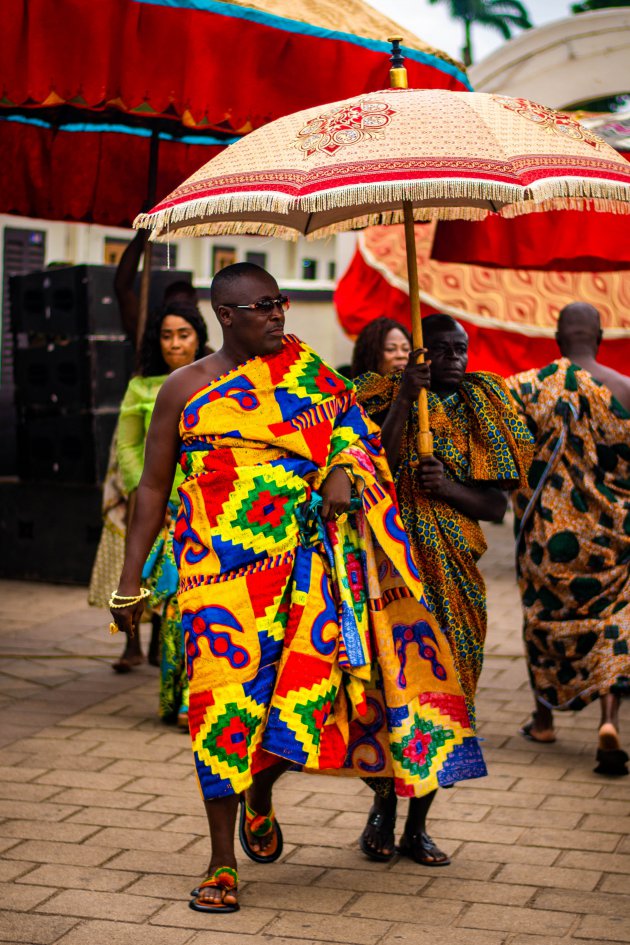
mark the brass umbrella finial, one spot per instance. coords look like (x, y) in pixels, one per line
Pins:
(397, 73)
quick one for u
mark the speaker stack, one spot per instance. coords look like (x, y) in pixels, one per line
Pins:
(72, 363)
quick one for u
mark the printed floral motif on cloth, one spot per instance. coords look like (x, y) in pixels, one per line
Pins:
(479, 438)
(305, 641)
(573, 523)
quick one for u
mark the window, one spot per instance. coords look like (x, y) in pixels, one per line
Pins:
(309, 269)
(222, 256)
(258, 259)
(332, 271)
(161, 254)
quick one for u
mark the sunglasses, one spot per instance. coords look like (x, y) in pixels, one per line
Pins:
(266, 306)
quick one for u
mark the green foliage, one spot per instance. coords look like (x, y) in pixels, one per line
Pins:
(505, 16)
(590, 5)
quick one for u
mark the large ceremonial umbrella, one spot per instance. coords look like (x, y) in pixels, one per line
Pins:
(391, 156)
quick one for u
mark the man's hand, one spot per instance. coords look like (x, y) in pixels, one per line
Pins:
(416, 377)
(336, 493)
(127, 619)
(430, 474)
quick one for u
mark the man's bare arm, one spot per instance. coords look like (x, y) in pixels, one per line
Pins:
(123, 283)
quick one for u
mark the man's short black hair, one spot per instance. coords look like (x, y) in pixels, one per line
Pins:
(434, 324)
(225, 278)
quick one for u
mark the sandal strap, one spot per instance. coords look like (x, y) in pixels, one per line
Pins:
(224, 876)
(259, 825)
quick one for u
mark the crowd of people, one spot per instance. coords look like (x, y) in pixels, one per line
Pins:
(313, 580)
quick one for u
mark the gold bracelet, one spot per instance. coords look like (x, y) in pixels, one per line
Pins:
(128, 601)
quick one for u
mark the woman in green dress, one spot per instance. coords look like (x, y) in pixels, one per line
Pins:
(175, 337)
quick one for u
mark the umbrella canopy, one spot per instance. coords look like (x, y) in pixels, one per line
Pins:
(560, 240)
(83, 85)
(353, 163)
(510, 316)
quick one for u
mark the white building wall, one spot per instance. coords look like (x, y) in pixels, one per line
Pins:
(313, 320)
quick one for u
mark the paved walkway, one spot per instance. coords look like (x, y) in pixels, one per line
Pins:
(102, 832)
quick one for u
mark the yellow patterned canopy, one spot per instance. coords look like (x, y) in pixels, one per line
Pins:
(352, 163)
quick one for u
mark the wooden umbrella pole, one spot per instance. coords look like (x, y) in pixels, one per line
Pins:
(425, 437)
(145, 277)
(398, 80)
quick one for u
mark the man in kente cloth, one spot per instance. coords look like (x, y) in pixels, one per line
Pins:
(481, 449)
(308, 640)
(573, 535)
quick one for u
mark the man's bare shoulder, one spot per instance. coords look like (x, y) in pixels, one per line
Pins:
(179, 386)
(618, 384)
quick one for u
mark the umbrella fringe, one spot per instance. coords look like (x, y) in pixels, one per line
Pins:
(187, 219)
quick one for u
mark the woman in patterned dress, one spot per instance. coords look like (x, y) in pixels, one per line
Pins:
(176, 337)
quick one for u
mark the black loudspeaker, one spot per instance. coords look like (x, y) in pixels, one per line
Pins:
(48, 532)
(77, 300)
(77, 373)
(65, 447)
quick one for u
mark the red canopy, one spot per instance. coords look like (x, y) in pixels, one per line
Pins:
(563, 240)
(83, 83)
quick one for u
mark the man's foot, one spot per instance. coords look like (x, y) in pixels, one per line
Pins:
(218, 892)
(377, 840)
(611, 758)
(421, 848)
(260, 834)
(532, 732)
(131, 657)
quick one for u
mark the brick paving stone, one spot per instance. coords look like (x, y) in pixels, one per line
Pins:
(13, 869)
(160, 769)
(560, 788)
(33, 929)
(22, 899)
(503, 894)
(143, 861)
(593, 903)
(305, 898)
(363, 881)
(30, 811)
(82, 797)
(587, 805)
(513, 919)
(460, 868)
(19, 774)
(92, 780)
(615, 792)
(533, 818)
(599, 928)
(122, 933)
(247, 921)
(73, 854)
(85, 904)
(418, 908)
(60, 831)
(608, 823)
(111, 817)
(129, 839)
(497, 798)
(624, 846)
(336, 928)
(76, 762)
(573, 840)
(11, 791)
(407, 934)
(185, 789)
(502, 853)
(615, 883)
(549, 877)
(78, 877)
(607, 862)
